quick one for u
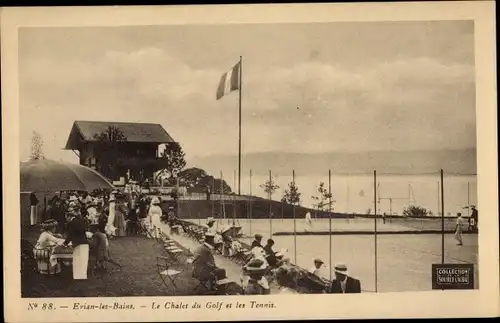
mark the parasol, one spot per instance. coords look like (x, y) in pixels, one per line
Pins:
(52, 176)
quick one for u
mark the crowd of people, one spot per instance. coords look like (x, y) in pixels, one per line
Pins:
(264, 266)
(83, 223)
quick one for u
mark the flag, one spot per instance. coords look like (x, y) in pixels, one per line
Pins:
(229, 81)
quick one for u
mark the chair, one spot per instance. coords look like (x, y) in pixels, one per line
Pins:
(173, 254)
(167, 273)
(213, 285)
(42, 256)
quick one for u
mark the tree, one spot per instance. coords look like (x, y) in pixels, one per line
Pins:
(269, 187)
(414, 211)
(109, 141)
(36, 147)
(292, 194)
(171, 159)
(323, 198)
(199, 179)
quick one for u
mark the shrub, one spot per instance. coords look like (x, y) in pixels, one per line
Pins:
(414, 211)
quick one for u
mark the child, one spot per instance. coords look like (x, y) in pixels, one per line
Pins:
(101, 249)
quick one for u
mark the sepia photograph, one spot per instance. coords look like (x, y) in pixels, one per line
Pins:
(246, 159)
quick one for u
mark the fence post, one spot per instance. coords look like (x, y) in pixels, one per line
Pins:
(330, 219)
(375, 227)
(271, 187)
(294, 225)
(442, 217)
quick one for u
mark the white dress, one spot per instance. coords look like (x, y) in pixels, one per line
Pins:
(110, 228)
(155, 215)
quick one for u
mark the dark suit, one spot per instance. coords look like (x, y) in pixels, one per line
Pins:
(271, 258)
(76, 232)
(352, 286)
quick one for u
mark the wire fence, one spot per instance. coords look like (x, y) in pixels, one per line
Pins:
(388, 228)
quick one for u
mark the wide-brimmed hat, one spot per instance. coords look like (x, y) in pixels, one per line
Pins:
(255, 266)
(170, 207)
(226, 229)
(48, 224)
(258, 236)
(155, 200)
(210, 220)
(112, 198)
(341, 269)
(73, 198)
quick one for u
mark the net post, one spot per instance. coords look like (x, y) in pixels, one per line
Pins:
(330, 220)
(442, 216)
(294, 225)
(375, 227)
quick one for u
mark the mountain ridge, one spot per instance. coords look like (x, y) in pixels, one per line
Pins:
(461, 161)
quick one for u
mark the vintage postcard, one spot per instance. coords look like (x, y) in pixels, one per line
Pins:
(250, 162)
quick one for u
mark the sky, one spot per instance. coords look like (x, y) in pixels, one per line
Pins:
(316, 87)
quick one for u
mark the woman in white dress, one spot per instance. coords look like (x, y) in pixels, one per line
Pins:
(110, 228)
(155, 213)
(45, 245)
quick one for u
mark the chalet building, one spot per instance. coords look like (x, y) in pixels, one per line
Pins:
(119, 149)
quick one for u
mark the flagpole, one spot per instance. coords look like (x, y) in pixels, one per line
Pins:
(239, 138)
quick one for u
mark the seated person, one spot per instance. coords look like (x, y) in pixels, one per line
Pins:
(317, 269)
(257, 242)
(47, 241)
(286, 277)
(343, 284)
(256, 284)
(204, 267)
(272, 256)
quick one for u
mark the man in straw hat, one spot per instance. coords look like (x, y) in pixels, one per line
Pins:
(204, 267)
(343, 283)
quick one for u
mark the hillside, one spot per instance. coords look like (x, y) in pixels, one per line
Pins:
(405, 162)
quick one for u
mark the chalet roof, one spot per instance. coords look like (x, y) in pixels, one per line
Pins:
(84, 131)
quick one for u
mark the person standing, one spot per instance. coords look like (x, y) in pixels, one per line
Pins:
(459, 229)
(474, 217)
(77, 237)
(308, 221)
(155, 213)
(33, 208)
(120, 212)
(110, 225)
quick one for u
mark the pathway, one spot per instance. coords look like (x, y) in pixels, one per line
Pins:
(233, 270)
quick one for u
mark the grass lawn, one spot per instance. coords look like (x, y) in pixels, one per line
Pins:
(138, 277)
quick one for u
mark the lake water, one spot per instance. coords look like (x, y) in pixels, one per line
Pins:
(355, 194)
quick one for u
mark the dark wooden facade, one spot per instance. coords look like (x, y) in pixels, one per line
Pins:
(134, 158)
